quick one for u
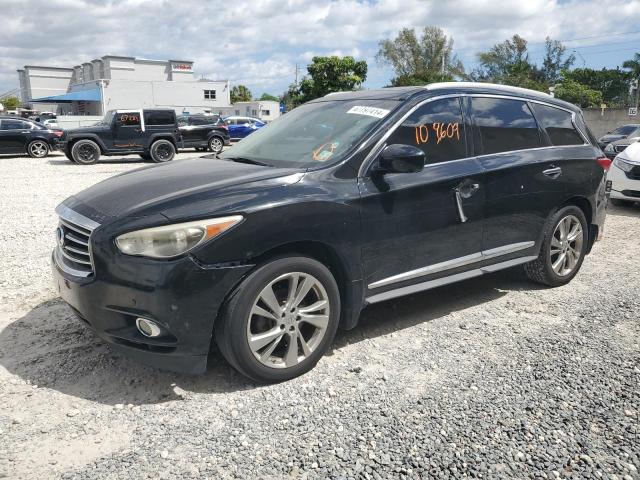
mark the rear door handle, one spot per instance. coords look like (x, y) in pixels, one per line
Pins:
(553, 172)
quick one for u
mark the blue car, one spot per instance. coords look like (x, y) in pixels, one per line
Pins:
(240, 127)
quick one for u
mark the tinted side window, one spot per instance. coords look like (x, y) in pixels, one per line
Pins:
(437, 128)
(16, 125)
(558, 125)
(504, 125)
(159, 118)
(129, 119)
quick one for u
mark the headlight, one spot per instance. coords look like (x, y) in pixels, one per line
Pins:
(622, 165)
(609, 148)
(173, 240)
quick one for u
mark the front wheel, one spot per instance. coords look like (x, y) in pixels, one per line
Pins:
(162, 151)
(145, 156)
(216, 144)
(563, 248)
(85, 152)
(38, 149)
(280, 320)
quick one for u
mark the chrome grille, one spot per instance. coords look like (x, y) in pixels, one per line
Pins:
(73, 253)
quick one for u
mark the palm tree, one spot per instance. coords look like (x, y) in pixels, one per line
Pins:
(633, 65)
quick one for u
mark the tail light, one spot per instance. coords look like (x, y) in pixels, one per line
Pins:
(604, 163)
(224, 125)
(57, 133)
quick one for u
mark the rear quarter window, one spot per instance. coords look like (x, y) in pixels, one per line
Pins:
(558, 125)
(159, 118)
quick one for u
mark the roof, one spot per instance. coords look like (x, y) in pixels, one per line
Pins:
(402, 93)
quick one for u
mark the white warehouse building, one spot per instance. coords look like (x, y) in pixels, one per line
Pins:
(115, 82)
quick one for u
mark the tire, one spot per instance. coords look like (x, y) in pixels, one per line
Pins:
(216, 144)
(145, 156)
(618, 202)
(38, 149)
(162, 151)
(238, 320)
(85, 152)
(554, 245)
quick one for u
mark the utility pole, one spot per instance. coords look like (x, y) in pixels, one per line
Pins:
(296, 82)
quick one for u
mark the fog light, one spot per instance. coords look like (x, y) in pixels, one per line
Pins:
(147, 327)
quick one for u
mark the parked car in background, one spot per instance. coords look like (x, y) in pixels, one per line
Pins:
(624, 176)
(240, 127)
(346, 201)
(20, 135)
(50, 123)
(625, 131)
(151, 133)
(614, 148)
(203, 132)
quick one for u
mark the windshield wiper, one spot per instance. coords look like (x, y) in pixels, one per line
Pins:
(250, 161)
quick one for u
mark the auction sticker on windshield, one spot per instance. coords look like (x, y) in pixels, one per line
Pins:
(370, 111)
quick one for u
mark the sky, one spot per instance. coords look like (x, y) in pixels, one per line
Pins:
(258, 43)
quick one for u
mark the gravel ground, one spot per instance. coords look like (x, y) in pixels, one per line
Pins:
(491, 378)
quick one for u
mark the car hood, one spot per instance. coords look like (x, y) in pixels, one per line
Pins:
(610, 138)
(175, 186)
(90, 129)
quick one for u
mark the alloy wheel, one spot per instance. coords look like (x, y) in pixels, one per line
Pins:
(38, 149)
(164, 151)
(86, 153)
(215, 145)
(288, 320)
(566, 245)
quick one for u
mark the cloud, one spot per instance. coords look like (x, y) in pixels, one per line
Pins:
(259, 42)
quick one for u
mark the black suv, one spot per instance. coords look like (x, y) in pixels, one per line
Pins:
(19, 135)
(349, 200)
(203, 132)
(151, 133)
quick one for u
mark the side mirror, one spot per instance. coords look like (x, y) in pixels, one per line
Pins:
(398, 158)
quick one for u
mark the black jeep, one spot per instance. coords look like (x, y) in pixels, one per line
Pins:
(151, 133)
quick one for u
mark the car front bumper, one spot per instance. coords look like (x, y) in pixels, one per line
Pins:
(623, 187)
(182, 297)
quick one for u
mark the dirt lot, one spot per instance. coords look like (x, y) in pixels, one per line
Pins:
(493, 377)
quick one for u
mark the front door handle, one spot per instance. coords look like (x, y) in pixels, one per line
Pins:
(464, 190)
(553, 172)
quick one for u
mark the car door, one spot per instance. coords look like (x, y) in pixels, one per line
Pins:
(128, 133)
(243, 127)
(15, 135)
(422, 226)
(191, 131)
(521, 188)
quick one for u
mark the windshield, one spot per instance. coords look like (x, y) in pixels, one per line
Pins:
(625, 130)
(108, 117)
(313, 133)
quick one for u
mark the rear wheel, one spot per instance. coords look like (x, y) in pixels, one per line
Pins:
(563, 248)
(216, 144)
(85, 152)
(280, 320)
(38, 149)
(67, 153)
(162, 151)
(145, 156)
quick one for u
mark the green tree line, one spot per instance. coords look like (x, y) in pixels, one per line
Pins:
(418, 58)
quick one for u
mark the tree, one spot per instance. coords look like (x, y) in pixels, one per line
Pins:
(633, 65)
(612, 83)
(578, 94)
(10, 103)
(419, 61)
(507, 59)
(240, 93)
(555, 61)
(330, 74)
(266, 97)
